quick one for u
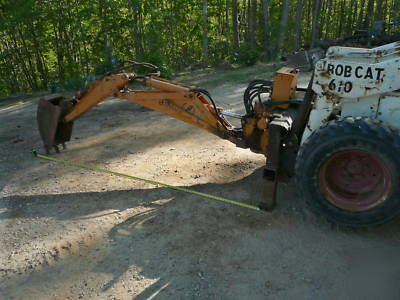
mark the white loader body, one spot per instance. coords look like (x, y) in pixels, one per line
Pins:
(357, 82)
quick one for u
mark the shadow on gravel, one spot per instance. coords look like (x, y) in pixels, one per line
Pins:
(83, 205)
(188, 247)
(121, 128)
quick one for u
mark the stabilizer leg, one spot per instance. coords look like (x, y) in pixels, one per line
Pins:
(278, 128)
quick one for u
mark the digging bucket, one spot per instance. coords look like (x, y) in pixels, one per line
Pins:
(50, 113)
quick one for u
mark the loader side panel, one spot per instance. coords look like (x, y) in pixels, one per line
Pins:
(389, 109)
(355, 72)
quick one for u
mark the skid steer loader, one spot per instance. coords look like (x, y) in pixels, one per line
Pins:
(338, 137)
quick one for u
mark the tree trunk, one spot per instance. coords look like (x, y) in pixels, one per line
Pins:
(253, 22)
(368, 15)
(307, 29)
(247, 8)
(341, 18)
(28, 58)
(380, 14)
(315, 27)
(136, 35)
(394, 11)
(283, 25)
(267, 29)
(227, 25)
(235, 26)
(21, 62)
(297, 26)
(351, 16)
(205, 34)
(328, 18)
(105, 31)
(83, 41)
(14, 86)
(40, 64)
(361, 15)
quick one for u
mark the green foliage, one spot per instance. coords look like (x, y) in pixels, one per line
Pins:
(62, 40)
(76, 83)
(103, 67)
(154, 55)
(158, 60)
(212, 77)
(248, 54)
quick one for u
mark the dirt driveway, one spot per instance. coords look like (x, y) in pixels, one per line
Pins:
(68, 233)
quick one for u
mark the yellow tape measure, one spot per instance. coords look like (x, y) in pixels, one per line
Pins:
(153, 182)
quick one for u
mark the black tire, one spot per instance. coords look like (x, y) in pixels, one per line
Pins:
(328, 156)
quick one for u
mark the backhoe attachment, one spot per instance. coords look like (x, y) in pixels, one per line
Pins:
(267, 128)
(195, 106)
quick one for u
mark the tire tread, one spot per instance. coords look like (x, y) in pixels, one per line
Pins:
(333, 132)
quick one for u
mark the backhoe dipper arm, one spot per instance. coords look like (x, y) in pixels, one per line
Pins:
(97, 92)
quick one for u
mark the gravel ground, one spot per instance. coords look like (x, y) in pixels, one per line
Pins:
(68, 233)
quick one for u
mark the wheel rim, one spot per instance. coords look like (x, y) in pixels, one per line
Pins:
(355, 180)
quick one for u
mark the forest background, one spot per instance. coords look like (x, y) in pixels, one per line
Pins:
(67, 42)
